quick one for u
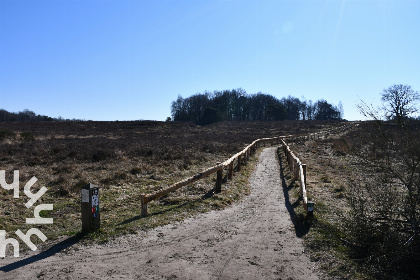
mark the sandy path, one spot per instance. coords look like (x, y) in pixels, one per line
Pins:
(254, 239)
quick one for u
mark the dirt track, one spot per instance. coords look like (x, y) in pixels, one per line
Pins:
(254, 239)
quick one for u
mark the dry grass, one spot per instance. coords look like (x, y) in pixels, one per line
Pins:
(125, 159)
(334, 174)
(129, 158)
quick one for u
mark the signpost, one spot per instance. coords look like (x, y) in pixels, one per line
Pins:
(311, 205)
(90, 208)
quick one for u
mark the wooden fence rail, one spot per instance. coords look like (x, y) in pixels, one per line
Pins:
(299, 173)
(241, 158)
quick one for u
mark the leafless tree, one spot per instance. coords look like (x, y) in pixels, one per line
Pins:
(400, 102)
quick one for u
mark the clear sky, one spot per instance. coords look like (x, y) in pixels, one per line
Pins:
(129, 59)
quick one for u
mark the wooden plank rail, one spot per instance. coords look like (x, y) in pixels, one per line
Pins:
(145, 198)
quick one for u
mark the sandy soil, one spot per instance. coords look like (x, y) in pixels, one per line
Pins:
(254, 239)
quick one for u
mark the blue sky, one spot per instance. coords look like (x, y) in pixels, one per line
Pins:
(129, 59)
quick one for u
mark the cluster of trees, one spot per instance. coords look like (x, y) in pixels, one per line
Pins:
(23, 116)
(237, 105)
(28, 116)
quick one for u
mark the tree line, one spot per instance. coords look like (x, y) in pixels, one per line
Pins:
(23, 116)
(237, 105)
(28, 116)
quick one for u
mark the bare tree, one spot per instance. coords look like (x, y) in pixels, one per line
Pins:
(399, 102)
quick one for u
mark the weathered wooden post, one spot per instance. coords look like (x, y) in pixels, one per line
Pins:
(230, 172)
(246, 157)
(90, 208)
(143, 200)
(304, 173)
(219, 179)
(239, 163)
(289, 156)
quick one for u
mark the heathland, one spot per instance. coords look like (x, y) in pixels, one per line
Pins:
(350, 235)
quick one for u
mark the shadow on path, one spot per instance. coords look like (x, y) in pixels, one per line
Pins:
(209, 194)
(301, 223)
(43, 255)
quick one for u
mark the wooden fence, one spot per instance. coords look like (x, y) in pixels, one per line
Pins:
(240, 159)
(299, 173)
(298, 169)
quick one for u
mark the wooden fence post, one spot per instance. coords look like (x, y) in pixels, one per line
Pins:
(230, 172)
(90, 208)
(291, 164)
(304, 173)
(219, 180)
(290, 159)
(143, 205)
(239, 163)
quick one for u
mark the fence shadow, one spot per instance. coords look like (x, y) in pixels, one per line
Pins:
(209, 194)
(44, 254)
(301, 223)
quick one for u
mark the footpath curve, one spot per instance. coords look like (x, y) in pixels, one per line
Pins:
(253, 239)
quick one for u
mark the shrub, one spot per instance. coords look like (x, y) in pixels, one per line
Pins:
(135, 170)
(4, 134)
(100, 155)
(385, 212)
(27, 136)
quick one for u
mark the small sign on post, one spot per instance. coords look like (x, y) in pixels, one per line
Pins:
(311, 205)
(90, 208)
